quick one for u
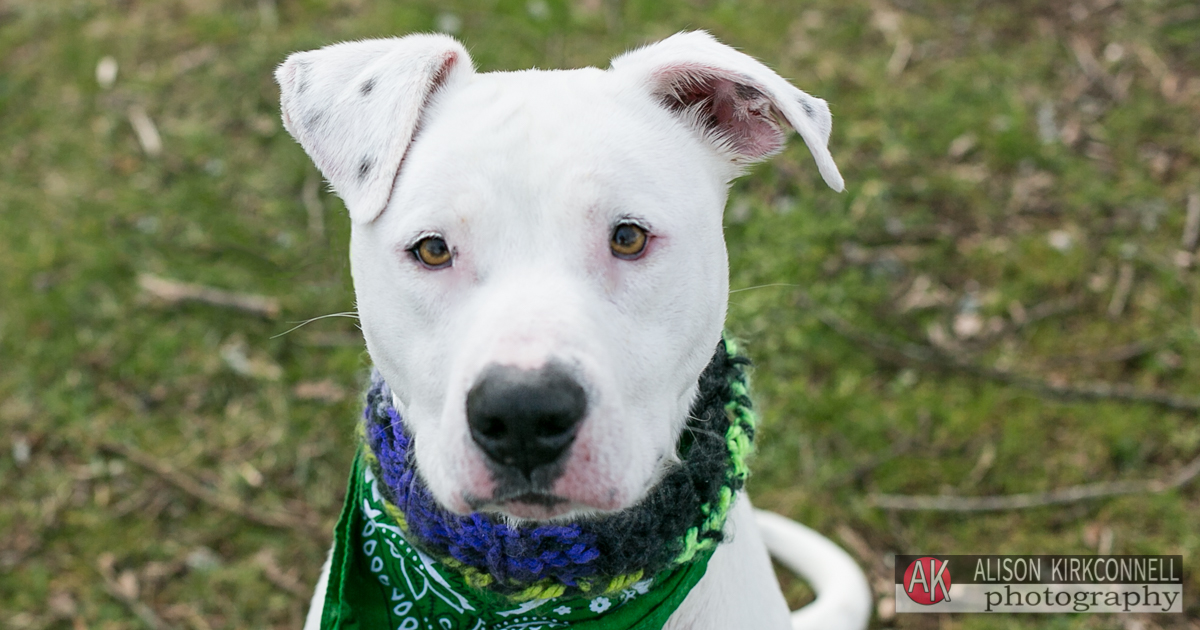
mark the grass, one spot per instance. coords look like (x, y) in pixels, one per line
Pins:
(1000, 158)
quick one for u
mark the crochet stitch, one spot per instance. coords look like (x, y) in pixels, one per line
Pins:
(682, 516)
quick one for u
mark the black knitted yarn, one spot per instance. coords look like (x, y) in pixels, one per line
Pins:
(650, 534)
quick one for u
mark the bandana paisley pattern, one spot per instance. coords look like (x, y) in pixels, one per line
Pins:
(379, 581)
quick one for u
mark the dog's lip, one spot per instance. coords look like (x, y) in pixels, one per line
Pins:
(539, 509)
(537, 498)
(524, 497)
(530, 505)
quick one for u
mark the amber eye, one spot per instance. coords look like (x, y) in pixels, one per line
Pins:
(433, 252)
(628, 241)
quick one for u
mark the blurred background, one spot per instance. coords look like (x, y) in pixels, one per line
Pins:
(1002, 311)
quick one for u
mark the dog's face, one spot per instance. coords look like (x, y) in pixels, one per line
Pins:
(526, 202)
(537, 256)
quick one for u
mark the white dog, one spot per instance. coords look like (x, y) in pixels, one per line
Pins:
(559, 233)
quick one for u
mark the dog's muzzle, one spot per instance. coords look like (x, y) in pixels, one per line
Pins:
(524, 420)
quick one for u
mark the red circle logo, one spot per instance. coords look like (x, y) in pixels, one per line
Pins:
(927, 581)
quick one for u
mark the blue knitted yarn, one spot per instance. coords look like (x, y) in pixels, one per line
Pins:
(681, 515)
(508, 554)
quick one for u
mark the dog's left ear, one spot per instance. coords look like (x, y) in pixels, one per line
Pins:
(354, 107)
(731, 98)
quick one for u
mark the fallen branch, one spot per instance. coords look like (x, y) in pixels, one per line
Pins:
(1072, 494)
(912, 354)
(175, 292)
(1115, 354)
(1023, 318)
(1051, 308)
(197, 490)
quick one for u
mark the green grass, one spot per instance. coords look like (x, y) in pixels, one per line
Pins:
(85, 359)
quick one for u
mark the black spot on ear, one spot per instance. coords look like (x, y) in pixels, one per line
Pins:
(808, 108)
(314, 118)
(366, 87)
(364, 168)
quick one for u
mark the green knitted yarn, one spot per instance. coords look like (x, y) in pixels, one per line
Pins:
(739, 440)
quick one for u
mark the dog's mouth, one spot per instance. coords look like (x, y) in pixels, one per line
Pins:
(531, 505)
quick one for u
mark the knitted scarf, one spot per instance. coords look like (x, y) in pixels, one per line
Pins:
(626, 570)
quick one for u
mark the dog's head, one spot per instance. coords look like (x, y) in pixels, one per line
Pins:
(538, 256)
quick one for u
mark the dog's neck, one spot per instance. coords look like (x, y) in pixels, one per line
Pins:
(680, 519)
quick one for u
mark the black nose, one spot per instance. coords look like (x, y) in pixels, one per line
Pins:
(525, 419)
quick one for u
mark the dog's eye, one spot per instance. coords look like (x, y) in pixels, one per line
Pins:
(628, 241)
(433, 252)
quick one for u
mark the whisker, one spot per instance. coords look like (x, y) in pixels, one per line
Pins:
(699, 431)
(764, 286)
(349, 314)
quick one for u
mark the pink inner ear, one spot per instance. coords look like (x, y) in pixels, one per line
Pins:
(737, 114)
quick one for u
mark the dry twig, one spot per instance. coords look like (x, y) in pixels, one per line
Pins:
(1121, 293)
(1191, 226)
(1115, 354)
(147, 133)
(187, 484)
(1025, 317)
(174, 292)
(1051, 308)
(1094, 70)
(900, 57)
(285, 580)
(1072, 494)
(124, 588)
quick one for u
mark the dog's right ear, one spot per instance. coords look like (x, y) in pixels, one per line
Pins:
(733, 100)
(355, 106)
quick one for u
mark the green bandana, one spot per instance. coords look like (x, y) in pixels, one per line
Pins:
(377, 581)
